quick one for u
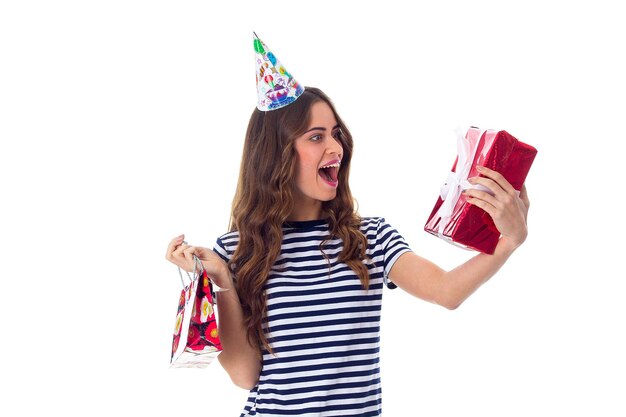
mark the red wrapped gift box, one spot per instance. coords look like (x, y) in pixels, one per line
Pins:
(464, 224)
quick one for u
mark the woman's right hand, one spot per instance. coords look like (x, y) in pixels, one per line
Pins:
(181, 255)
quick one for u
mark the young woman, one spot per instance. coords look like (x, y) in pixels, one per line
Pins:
(304, 273)
(299, 323)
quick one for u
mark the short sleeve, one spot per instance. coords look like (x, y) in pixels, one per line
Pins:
(221, 250)
(393, 246)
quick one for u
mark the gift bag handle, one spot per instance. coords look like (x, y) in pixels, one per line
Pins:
(196, 273)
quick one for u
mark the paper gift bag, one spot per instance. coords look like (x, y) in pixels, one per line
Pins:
(464, 224)
(196, 341)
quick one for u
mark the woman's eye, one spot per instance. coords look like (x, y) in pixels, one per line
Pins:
(315, 138)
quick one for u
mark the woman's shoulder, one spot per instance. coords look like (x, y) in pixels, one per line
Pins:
(376, 227)
(369, 223)
(229, 237)
(370, 226)
(226, 244)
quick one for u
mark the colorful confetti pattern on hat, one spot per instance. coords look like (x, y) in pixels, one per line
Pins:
(275, 86)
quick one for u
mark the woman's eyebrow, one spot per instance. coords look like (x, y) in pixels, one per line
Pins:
(321, 128)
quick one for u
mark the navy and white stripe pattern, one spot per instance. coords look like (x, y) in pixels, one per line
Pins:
(324, 327)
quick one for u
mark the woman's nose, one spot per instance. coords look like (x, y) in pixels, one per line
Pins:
(335, 147)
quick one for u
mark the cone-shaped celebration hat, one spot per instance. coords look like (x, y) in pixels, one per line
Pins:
(275, 86)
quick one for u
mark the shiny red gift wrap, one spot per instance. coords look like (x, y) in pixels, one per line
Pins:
(468, 225)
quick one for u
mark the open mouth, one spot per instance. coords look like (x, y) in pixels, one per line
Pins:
(330, 173)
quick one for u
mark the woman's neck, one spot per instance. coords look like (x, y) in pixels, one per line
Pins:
(305, 212)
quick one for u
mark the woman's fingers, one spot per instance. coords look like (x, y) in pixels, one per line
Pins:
(506, 208)
(503, 192)
(180, 253)
(496, 178)
(172, 246)
(205, 254)
(487, 201)
(487, 206)
(524, 196)
(188, 253)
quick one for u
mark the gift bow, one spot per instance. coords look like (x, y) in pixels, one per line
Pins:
(457, 182)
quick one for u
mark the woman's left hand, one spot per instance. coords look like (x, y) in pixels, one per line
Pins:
(508, 211)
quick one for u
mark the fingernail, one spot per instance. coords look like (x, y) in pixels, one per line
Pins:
(478, 167)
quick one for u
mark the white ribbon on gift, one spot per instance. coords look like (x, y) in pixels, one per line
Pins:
(457, 182)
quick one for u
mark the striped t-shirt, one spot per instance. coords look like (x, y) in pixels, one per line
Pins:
(324, 327)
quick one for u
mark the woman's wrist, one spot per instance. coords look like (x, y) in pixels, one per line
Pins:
(226, 279)
(508, 244)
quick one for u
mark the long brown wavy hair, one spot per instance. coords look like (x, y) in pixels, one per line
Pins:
(264, 200)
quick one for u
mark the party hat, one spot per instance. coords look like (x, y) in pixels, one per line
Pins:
(275, 86)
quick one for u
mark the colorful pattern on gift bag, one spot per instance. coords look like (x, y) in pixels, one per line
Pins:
(180, 316)
(203, 326)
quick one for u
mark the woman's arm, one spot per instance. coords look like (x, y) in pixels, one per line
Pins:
(241, 361)
(424, 279)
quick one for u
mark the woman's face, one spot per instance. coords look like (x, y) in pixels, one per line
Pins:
(319, 154)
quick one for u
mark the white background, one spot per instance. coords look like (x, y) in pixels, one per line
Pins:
(122, 124)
